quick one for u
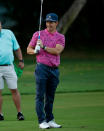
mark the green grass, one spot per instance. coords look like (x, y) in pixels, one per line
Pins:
(75, 111)
(76, 75)
(82, 75)
(79, 103)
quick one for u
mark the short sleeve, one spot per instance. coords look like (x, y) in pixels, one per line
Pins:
(61, 40)
(15, 43)
(34, 39)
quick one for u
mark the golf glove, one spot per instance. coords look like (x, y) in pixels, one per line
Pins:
(37, 48)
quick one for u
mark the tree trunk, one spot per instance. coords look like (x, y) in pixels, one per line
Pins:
(68, 18)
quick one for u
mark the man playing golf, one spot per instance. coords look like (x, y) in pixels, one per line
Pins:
(47, 73)
(8, 44)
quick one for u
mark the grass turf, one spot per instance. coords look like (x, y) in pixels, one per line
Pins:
(75, 111)
(76, 75)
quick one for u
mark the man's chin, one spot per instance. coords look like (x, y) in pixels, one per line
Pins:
(50, 29)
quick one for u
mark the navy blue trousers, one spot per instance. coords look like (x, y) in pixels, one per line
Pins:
(47, 79)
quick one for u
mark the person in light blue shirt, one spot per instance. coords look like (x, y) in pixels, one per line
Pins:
(8, 45)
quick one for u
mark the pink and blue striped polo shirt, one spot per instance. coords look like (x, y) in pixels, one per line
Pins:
(49, 40)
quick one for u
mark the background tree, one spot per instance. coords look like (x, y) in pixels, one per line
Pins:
(70, 15)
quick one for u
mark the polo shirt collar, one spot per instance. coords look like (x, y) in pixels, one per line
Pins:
(50, 32)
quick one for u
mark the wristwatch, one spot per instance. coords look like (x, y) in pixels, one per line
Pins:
(44, 47)
(21, 61)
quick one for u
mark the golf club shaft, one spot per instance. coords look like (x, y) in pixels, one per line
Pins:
(37, 48)
(40, 18)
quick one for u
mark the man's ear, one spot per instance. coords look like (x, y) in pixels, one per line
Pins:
(56, 22)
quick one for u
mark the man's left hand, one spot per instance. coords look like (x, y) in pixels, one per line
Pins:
(21, 65)
(40, 43)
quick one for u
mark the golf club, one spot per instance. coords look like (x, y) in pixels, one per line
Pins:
(37, 48)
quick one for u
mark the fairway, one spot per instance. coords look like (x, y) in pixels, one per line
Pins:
(79, 102)
(76, 75)
(75, 111)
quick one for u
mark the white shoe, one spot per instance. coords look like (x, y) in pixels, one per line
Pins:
(53, 124)
(44, 125)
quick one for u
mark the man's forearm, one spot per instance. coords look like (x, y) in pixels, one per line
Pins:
(30, 51)
(19, 54)
(53, 51)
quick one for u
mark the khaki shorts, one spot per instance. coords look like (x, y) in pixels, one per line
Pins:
(8, 74)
